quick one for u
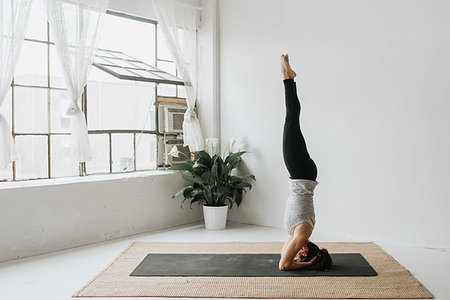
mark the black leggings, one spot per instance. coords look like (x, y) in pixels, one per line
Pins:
(296, 156)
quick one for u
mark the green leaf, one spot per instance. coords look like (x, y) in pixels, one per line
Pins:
(234, 179)
(194, 200)
(181, 167)
(204, 154)
(211, 181)
(232, 199)
(198, 171)
(204, 158)
(199, 164)
(226, 170)
(181, 191)
(238, 197)
(222, 196)
(219, 160)
(187, 193)
(206, 177)
(243, 185)
(191, 178)
(250, 176)
(235, 163)
(214, 171)
(197, 193)
(233, 156)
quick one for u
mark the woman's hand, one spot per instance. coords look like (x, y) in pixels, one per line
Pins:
(310, 263)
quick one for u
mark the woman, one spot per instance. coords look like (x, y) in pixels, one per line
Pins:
(299, 219)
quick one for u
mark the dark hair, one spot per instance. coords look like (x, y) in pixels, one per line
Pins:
(313, 250)
(323, 261)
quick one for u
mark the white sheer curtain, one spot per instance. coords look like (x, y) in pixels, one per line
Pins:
(179, 22)
(76, 26)
(14, 15)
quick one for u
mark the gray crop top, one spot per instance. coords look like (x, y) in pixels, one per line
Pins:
(299, 205)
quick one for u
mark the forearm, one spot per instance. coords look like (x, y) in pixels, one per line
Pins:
(285, 245)
(292, 246)
(284, 249)
(295, 266)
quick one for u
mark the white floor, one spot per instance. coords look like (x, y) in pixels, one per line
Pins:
(56, 276)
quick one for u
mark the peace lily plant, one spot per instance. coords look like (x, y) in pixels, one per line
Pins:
(211, 182)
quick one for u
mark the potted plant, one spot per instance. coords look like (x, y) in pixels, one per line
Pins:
(212, 185)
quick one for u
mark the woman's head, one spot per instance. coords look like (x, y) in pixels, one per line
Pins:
(323, 262)
(311, 251)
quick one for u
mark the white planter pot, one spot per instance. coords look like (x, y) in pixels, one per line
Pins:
(215, 217)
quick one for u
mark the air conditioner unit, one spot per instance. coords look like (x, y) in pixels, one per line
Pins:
(171, 118)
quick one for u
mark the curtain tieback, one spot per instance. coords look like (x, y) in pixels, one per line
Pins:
(73, 109)
(189, 115)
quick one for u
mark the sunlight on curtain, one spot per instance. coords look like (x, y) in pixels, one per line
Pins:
(13, 23)
(179, 22)
(76, 26)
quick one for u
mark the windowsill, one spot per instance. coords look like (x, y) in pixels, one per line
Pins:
(77, 179)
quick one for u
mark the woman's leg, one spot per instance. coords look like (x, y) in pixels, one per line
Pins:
(296, 156)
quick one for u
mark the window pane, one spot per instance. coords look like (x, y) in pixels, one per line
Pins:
(95, 74)
(37, 24)
(32, 151)
(100, 154)
(168, 67)
(5, 108)
(30, 110)
(141, 65)
(59, 102)
(122, 105)
(32, 65)
(168, 90)
(116, 62)
(122, 152)
(181, 91)
(145, 151)
(120, 55)
(56, 71)
(147, 74)
(163, 50)
(6, 174)
(120, 71)
(168, 76)
(126, 35)
(62, 163)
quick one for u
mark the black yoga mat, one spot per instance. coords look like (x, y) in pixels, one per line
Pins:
(244, 265)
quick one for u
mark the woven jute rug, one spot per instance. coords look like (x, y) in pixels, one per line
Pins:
(393, 281)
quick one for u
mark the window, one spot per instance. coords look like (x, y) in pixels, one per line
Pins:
(129, 71)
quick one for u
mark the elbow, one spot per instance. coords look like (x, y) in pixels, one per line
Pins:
(283, 266)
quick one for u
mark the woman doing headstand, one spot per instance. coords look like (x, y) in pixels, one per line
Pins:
(299, 218)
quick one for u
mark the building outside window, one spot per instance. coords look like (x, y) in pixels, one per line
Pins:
(130, 71)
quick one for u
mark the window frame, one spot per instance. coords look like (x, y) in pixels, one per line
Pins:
(82, 166)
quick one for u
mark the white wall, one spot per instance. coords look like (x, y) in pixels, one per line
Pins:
(374, 84)
(41, 219)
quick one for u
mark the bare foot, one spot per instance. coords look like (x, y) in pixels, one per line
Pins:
(286, 70)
